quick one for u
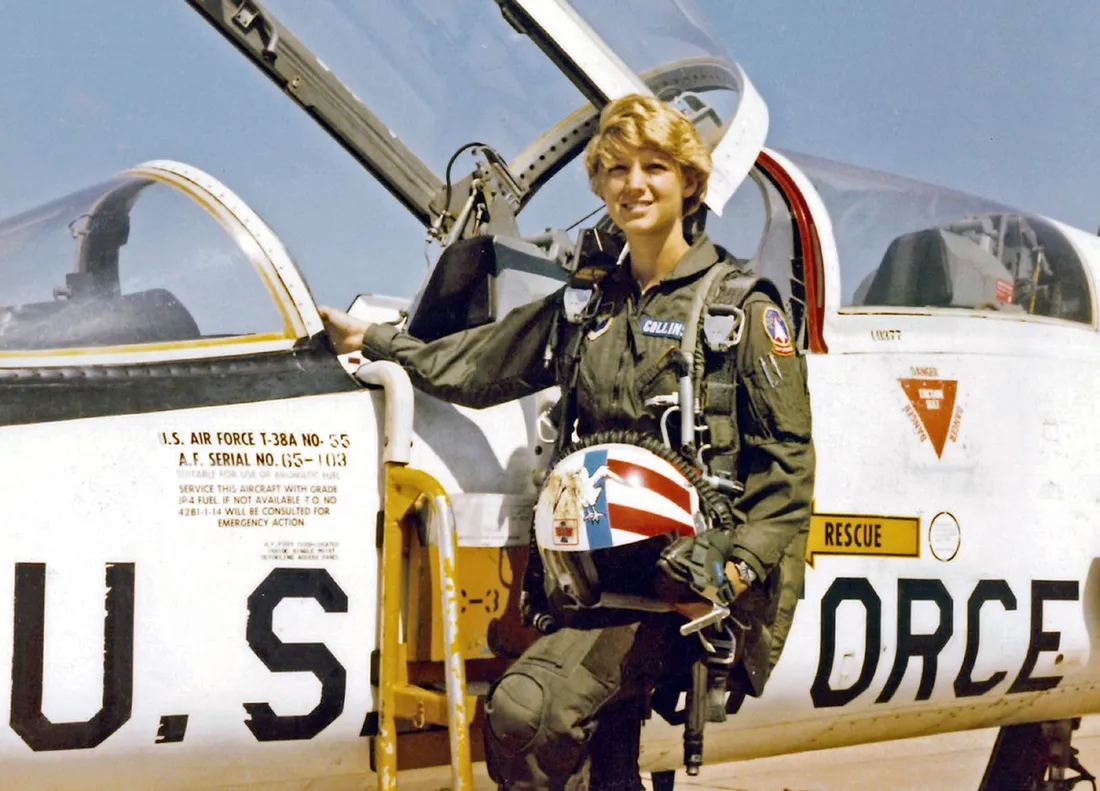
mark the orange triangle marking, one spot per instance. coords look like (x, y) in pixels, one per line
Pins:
(934, 401)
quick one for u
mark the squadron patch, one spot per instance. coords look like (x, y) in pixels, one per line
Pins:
(600, 327)
(662, 328)
(776, 327)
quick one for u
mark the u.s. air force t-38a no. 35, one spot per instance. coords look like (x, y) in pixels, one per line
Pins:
(230, 562)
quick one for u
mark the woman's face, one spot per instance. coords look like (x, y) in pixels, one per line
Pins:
(644, 192)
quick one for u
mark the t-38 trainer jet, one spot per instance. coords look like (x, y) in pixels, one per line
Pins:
(232, 559)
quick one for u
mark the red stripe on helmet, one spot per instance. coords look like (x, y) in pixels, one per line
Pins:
(644, 523)
(652, 480)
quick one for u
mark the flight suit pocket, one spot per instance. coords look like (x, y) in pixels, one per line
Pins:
(776, 394)
(660, 378)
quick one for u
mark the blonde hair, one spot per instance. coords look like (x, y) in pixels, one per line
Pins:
(637, 121)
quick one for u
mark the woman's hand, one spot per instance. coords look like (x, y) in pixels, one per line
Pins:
(346, 332)
(697, 608)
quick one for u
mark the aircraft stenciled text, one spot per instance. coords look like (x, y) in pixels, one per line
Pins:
(236, 487)
(921, 646)
(282, 657)
(845, 534)
(317, 451)
(859, 534)
(306, 551)
(28, 662)
(258, 504)
(930, 406)
(925, 646)
(42, 734)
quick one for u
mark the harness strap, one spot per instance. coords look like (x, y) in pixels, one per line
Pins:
(580, 325)
(689, 341)
(716, 374)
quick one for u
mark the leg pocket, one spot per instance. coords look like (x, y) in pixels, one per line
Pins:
(541, 714)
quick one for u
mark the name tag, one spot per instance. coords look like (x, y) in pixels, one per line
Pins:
(662, 328)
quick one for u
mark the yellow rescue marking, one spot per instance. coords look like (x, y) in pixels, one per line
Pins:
(863, 534)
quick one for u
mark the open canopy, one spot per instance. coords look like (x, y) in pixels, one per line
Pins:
(404, 84)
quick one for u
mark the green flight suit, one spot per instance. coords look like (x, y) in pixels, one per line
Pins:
(626, 360)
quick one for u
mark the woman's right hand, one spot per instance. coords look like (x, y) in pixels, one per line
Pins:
(345, 331)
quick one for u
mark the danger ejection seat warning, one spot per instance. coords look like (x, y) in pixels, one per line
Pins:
(933, 404)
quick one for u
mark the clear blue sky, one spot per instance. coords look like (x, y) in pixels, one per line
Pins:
(995, 97)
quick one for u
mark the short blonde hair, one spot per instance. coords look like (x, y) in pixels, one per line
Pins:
(637, 121)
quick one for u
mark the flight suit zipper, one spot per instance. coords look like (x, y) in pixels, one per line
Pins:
(620, 375)
(636, 303)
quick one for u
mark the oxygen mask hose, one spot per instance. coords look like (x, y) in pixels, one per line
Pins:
(686, 392)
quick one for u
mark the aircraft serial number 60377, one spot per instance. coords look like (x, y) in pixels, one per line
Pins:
(229, 557)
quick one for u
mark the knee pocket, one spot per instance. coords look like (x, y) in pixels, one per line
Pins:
(514, 710)
(535, 707)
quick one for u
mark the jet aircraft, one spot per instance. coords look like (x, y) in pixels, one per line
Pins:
(267, 567)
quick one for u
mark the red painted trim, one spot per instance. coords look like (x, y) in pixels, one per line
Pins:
(811, 248)
(652, 480)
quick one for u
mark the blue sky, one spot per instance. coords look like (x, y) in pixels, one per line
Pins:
(994, 97)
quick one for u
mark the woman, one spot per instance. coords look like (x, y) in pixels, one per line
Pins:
(567, 713)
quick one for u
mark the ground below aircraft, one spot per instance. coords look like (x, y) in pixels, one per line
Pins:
(237, 561)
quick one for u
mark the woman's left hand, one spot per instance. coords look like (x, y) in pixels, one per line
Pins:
(345, 331)
(738, 584)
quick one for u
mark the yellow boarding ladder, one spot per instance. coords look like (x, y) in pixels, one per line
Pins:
(412, 494)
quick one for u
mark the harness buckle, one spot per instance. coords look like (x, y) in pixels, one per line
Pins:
(723, 327)
(576, 304)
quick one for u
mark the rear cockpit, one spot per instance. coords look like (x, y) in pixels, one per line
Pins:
(904, 244)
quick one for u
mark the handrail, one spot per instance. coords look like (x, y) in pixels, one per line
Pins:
(441, 526)
(398, 421)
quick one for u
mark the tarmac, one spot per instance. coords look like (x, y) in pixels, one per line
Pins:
(946, 762)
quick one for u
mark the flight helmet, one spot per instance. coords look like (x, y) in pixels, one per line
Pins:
(607, 508)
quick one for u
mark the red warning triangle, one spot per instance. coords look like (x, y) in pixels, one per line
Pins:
(934, 401)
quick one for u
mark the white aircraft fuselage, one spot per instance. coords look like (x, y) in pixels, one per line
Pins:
(191, 586)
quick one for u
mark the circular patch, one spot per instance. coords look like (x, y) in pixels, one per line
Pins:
(944, 536)
(776, 327)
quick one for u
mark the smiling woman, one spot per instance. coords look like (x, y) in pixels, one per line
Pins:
(650, 167)
(619, 346)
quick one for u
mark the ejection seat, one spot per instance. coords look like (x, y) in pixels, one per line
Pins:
(936, 267)
(152, 316)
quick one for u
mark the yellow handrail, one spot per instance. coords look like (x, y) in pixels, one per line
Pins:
(406, 490)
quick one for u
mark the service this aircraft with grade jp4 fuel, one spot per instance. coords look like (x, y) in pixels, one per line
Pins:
(311, 571)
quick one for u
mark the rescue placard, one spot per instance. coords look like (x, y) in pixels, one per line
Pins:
(862, 534)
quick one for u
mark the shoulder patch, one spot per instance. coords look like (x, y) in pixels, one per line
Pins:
(600, 326)
(776, 327)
